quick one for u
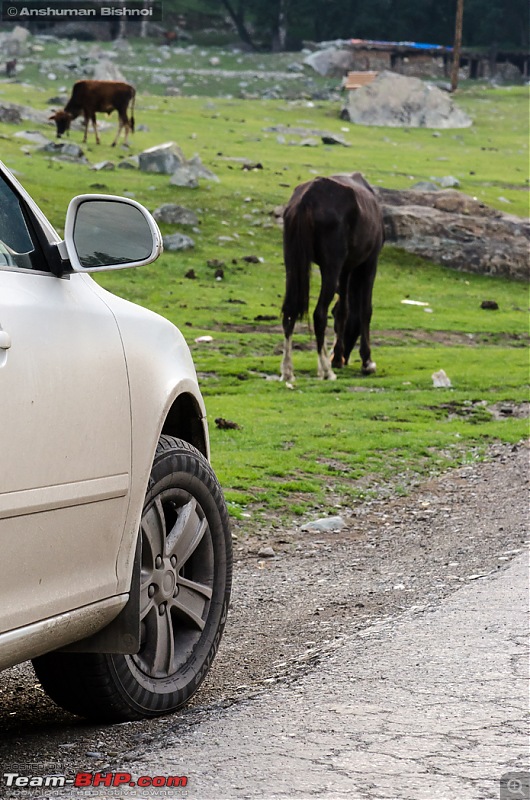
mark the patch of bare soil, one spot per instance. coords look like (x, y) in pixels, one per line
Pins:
(391, 337)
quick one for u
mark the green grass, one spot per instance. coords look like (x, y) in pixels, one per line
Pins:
(319, 445)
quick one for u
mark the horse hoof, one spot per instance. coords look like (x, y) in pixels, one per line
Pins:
(330, 376)
(369, 368)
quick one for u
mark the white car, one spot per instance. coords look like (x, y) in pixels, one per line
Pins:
(116, 566)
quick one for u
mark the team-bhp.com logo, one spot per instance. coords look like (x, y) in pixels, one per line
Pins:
(93, 779)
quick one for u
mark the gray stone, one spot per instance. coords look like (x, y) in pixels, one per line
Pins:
(133, 162)
(398, 101)
(448, 182)
(106, 70)
(10, 114)
(66, 150)
(455, 230)
(185, 177)
(177, 241)
(331, 62)
(326, 524)
(266, 552)
(175, 215)
(162, 159)
(200, 170)
(103, 165)
(507, 73)
(34, 137)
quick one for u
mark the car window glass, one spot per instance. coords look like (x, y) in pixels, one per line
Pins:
(17, 248)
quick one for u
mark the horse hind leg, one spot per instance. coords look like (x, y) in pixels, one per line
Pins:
(365, 317)
(320, 320)
(287, 372)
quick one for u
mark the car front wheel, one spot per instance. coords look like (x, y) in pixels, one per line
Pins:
(185, 585)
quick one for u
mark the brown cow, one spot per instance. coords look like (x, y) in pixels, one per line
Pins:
(89, 97)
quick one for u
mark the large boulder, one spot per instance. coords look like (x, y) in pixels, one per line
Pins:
(163, 158)
(106, 70)
(331, 62)
(400, 102)
(458, 231)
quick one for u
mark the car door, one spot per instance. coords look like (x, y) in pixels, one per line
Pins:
(65, 433)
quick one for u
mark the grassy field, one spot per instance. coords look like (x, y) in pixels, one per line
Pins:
(320, 446)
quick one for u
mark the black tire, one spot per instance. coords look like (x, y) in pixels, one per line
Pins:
(186, 571)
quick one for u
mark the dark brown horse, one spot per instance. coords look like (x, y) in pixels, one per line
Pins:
(336, 223)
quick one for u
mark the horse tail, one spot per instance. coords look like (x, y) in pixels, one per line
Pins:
(298, 255)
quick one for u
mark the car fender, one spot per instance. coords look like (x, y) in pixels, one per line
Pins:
(164, 397)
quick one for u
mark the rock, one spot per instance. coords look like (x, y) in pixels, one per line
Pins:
(448, 182)
(196, 165)
(162, 159)
(425, 186)
(327, 524)
(16, 42)
(490, 305)
(507, 73)
(184, 176)
(103, 165)
(440, 380)
(66, 150)
(34, 137)
(330, 139)
(266, 552)
(133, 162)
(331, 62)
(177, 241)
(453, 229)
(309, 142)
(106, 70)
(175, 215)
(398, 101)
(190, 274)
(10, 114)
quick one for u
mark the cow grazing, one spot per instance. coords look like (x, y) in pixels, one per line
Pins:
(90, 97)
(11, 68)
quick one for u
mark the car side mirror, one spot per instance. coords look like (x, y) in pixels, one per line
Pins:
(105, 232)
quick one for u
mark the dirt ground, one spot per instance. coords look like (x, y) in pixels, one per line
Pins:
(290, 609)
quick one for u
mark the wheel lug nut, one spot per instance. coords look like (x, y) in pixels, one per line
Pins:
(151, 590)
(162, 609)
(173, 561)
(158, 562)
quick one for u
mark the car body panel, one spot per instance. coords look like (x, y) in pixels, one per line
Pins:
(65, 471)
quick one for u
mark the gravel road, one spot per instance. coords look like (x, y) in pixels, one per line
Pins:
(291, 612)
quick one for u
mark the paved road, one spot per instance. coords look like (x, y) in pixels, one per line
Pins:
(432, 705)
